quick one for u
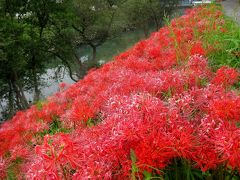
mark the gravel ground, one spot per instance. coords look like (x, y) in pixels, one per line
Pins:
(232, 9)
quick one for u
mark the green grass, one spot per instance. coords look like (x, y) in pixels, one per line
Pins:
(226, 43)
(13, 169)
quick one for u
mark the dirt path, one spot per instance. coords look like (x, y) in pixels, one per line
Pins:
(232, 9)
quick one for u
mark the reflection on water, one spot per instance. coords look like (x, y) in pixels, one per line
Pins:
(53, 81)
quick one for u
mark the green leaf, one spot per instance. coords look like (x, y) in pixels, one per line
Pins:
(147, 175)
(134, 167)
(133, 156)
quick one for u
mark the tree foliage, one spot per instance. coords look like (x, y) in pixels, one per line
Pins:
(36, 33)
(144, 13)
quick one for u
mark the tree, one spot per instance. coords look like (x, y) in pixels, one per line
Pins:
(35, 33)
(95, 22)
(13, 63)
(143, 13)
(27, 41)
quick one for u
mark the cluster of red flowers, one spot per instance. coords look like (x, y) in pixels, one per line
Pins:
(159, 99)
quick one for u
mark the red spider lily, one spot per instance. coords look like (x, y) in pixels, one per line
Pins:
(62, 86)
(79, 113)
(227, 143)
(197, 48)
(198, 65)
(226, 109)
(226, 76)
(3, 167)
(55, 158)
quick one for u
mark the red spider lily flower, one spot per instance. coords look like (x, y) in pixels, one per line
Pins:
(63, 86)
(55, 158)
(79, 113)
(197, 48)
(3, 168)
(226, 109)
(227, 143)
(226, 76)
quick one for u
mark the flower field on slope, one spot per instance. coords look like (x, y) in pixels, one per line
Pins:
(157, 110)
